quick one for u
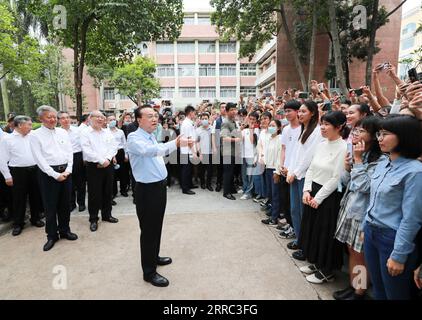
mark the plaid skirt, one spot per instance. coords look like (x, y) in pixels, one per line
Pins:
(347, 231)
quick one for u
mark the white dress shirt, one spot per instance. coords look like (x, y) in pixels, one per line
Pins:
(75, 138)
(51, 147)
(15, 151)
(119, 137)
(98, 146)
(187, 130)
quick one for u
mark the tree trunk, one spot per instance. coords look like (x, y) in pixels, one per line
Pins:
(337, 48)
(371, 45)
(139, 98)
(293, 49)
(26, 98)
(347, 73)
(4, 93)
(313, 40)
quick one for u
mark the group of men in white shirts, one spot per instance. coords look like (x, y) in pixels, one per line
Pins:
(50, 164)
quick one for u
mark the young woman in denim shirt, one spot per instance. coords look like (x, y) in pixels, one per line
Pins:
(357, 178)
(394, 214)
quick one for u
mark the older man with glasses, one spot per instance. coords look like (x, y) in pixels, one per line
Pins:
(52, 151)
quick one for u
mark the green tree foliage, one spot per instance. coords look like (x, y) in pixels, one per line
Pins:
(104, 31)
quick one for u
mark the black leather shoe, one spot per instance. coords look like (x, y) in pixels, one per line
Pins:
(124, 194)
(49, 244)
(157, 280)
(292, 246)
(344, 294)
(17, 231)
(229, 196)
(163, 261)
(69, 236)
(111, 220)
(73, 207)
(113, 203)
(203, 186)
(210, 188)
(218, 188)
(194, 186)
(93, 226)
(298, 255)
(82, 208)
(38, 224)
(189, 192)
(355, 296)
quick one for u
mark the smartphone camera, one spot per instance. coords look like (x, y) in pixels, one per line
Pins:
(358, 92)
(304, 95)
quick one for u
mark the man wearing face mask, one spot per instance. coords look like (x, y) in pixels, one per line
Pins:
(204, 147)
(121, 165)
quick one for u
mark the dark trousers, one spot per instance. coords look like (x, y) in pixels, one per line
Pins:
(185, 172)
(205, 167)
(285, 199)
(25, 184)
(6, 198)
(150, 211)
(100, 189)
(220, 169)
(56, 201)
(121, 174)
(228, 169)
(78, 181)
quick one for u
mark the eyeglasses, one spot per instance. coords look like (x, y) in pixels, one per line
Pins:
(381, 134)
(358, 131)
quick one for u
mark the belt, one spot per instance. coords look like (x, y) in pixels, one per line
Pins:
(154, 183)
(60, 168)
(26, 168)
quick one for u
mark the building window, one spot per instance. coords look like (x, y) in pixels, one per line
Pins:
(248, 69)
(207, 70)
(227, 70)
(187, 92)
(124, 97)
(165, 47)
(228, 92)
(165, 70)
(248, 91)
(186, 70)
(207, 92)
(186, 47)
(407, 43)
(206, 47)
(166, 93)
(411, 27)
(204, 20)
(109, 94)
(227, 47)
(189, 20)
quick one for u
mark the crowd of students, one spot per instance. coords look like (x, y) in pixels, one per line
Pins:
(334, 174)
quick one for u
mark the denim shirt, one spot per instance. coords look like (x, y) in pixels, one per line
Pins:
(396, 203)
(358, 181)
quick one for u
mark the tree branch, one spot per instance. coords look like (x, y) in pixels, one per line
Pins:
(394, 10)
(4, 74)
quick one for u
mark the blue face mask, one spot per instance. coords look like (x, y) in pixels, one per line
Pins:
(272, 130)
(112, 124)
(204, 122)
(126, 123)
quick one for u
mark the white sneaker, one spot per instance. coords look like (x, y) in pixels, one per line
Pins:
(245, 197)
(308, 269)
(319, 278)
(240, 191)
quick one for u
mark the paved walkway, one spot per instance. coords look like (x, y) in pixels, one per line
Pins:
(220, 250)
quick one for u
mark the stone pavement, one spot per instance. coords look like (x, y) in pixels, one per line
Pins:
(220, 250)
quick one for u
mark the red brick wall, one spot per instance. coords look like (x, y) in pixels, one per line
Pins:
(389, 42)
